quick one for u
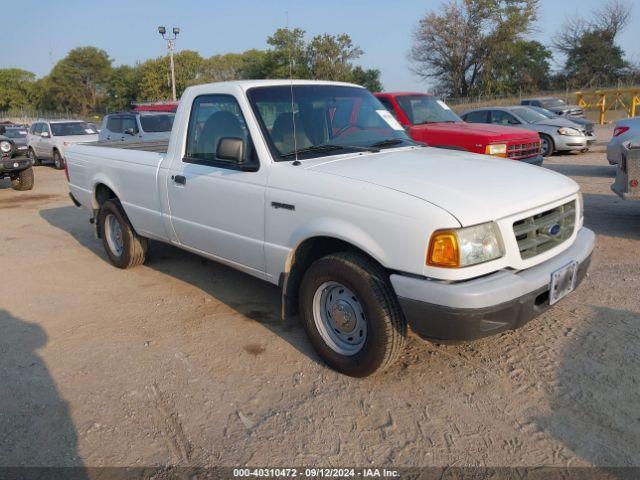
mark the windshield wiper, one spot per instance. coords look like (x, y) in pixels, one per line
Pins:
(327, 147)
(390, 142)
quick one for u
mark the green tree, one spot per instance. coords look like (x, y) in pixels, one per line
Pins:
(155, 75)
(77, 83)
(330, 56)
(523, 66)
(16, 88)
(592, 55)
(287, 55)
(455, 45)
(122, 87)
(369, 78)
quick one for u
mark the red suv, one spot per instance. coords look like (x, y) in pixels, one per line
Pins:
(430, 120)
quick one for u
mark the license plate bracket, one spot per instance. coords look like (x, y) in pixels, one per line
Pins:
(563, 282)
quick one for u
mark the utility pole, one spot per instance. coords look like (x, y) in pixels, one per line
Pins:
(170, 44)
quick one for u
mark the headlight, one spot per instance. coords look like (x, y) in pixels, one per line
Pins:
(463, 247)
(569, 131)
(580, 206)
(497, 149)
(5, 146)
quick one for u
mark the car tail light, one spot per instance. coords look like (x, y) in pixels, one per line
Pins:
(619, 131)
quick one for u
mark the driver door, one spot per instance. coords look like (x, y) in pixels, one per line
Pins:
(217, 206)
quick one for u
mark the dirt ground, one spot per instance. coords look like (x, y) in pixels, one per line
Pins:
(184, 362)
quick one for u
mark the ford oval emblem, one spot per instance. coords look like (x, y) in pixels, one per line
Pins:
(554, 229)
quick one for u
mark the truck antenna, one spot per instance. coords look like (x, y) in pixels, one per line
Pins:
(293, 113)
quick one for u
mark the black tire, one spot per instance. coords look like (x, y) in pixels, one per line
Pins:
(134, 246)
(34, 158)
(58, 161)
(385, 323)
(24, 180)
(546, 151)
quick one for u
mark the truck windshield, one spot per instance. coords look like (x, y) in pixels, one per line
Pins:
(157, 122)
(67, 129)
(321, 120)
(421, 109)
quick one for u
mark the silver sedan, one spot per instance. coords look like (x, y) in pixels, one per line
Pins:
(556, 134)
(624, 130)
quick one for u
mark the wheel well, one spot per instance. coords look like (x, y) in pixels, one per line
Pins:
(306, 253)
(104, 193)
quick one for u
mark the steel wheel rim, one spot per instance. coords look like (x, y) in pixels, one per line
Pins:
(339, 317)
(56, 160)
(114, 235)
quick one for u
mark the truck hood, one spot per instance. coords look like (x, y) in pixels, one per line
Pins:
(490, 133)
(473, 188)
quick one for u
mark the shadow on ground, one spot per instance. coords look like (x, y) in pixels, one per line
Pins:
(252, 298)
(594, 408)
(36, 429)
(581, 170)
(607, 214)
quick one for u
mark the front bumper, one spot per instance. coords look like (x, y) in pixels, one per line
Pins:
(565, 142)
(484, 306)
(537, 160)
(15, 164)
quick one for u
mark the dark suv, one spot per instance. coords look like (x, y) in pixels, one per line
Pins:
(18, 169)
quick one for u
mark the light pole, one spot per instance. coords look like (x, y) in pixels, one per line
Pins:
(170, 44)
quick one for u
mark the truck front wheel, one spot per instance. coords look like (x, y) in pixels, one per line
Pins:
(351, 314)
(24, 180)
(125, 248)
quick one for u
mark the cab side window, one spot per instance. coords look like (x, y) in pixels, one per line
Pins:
(500, 117)
(214, 117)
(476, 117)
(114, 124)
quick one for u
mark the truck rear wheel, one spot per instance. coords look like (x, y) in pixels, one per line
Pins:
(24, 180)
(351, 314)
(125, 248)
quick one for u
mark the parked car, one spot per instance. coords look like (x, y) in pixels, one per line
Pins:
(586, 126)
(365, 231)
(19, 136)
(556, 134)
(556, 105)
(48, 139)
(624, 130)
(18, 169)
(136, 126)
(430, 120)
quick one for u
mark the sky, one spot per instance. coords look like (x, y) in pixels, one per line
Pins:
(41, 33)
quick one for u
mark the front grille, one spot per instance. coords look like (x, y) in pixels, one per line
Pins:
(523, 150)
(546, 230)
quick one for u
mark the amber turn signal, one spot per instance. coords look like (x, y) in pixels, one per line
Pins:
(443, 250)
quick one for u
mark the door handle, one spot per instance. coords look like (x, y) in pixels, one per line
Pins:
(179, 179)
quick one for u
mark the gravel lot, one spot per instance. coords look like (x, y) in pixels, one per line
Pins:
(184, 362)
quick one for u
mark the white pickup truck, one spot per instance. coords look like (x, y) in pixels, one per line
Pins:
(315, 187)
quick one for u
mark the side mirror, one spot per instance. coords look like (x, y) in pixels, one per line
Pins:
(44, 134)
(231, 149)
(129, 131)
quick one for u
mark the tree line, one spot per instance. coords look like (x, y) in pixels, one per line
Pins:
(464, 48)
(86, 81)
(482, 47)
